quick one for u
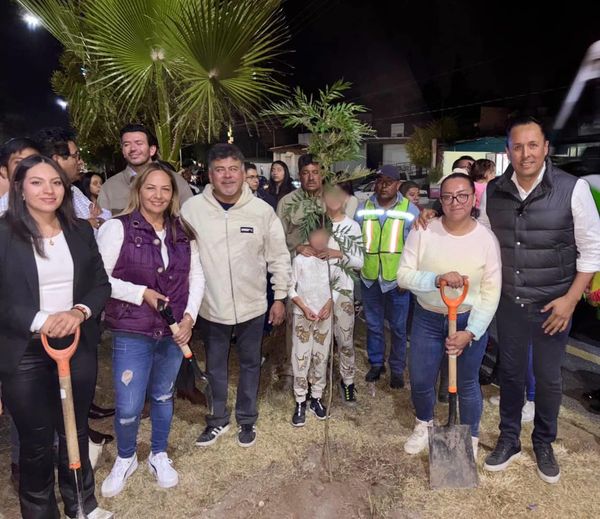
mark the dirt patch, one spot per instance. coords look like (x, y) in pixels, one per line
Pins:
(282, 476)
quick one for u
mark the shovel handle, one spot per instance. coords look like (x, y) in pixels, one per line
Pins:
(187, 352)
(452, 305)
(62, 358)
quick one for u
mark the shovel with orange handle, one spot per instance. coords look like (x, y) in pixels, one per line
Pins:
(62, 358)
(451, 459)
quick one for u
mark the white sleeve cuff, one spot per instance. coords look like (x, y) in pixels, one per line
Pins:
(38, 321)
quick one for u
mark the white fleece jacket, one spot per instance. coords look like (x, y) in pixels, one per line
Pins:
(237, 247)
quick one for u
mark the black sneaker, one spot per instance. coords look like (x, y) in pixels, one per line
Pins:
(299, 418)
(374, 373)
(318, 409)
(396, 380)
(547, 466)
(247, 435)
(210, 435)
(503, 454)
(348, 393)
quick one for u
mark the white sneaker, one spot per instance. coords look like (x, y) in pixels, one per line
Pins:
(100, 513)
(475, 441)
(495, 400)
(528, 412)
(419, 439)
(160, 465)
(122, 469)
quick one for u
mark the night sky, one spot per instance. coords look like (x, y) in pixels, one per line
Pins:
(452, 53)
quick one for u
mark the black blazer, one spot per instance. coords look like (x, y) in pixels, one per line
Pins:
(20, 294)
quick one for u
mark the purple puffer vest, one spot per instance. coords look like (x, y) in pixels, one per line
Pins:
(140, 262)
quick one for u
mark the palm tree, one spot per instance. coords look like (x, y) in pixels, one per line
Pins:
(186, 67)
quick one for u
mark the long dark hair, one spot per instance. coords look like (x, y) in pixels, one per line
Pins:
(469, 180)
(286, 185)
(86, 182)
(18, 216)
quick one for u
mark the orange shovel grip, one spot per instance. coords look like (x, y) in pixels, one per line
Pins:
(453, 304)
(61, 357)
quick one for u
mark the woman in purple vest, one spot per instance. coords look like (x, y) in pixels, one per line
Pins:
(149, 254)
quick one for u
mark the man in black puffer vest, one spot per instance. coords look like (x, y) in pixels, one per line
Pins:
(549, 234)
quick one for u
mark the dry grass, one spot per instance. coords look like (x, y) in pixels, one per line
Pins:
(282, 475)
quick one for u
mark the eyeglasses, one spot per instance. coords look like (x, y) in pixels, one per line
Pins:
(461, 198)
(251, 177)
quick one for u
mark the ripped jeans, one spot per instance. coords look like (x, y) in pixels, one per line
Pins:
(141, 362)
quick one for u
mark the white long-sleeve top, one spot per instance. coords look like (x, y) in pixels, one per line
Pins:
(434, 251)
(55, 275)
(310, 282)
(353, 258)
(110, 240)
(586, 223)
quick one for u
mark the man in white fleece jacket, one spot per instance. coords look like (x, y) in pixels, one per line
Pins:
(239, 239)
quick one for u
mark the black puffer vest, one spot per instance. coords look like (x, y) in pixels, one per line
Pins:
(536, 236)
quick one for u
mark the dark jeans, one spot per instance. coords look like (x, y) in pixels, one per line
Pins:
(393, 306)
(518, 327)
(32, 396)
(217, 341)
(427, 347)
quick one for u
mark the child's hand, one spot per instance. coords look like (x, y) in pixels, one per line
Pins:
(328, 254)
(309, 314)
(326, 310)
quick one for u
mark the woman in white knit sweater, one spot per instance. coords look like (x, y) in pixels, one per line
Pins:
(453, 248)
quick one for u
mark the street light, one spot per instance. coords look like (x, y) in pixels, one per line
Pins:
(32, 21)
(62, 103)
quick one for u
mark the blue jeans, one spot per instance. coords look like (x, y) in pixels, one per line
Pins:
(427, 347)
(393, 306)
(141, 362)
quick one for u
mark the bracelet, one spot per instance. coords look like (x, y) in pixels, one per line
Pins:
(80, 310)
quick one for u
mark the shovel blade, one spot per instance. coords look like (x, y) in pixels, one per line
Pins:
(451, 460)
(202, 383)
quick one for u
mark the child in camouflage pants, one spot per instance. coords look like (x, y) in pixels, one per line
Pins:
(311, 327)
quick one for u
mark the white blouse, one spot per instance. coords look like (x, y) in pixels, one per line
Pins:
(55, 275)
(110, 240)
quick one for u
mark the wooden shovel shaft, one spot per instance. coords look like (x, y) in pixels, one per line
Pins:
(187, 352)
(68, 409)
(452, 376)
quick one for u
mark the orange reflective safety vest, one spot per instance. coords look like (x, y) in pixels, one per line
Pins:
(383, 245)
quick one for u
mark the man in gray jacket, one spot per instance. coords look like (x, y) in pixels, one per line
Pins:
(239, 238)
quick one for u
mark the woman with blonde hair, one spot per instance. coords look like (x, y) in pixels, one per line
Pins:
(150, 255)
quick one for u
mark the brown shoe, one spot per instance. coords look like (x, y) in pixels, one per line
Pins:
(194, 396)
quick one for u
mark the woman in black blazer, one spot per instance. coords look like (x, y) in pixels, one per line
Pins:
(52, 280)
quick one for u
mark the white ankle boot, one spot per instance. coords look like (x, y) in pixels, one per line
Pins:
(419, 439)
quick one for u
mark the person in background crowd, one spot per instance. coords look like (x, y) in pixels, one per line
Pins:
(91, 183)
(42, 242)
(240, 239)
(290, 211)
(150, 256)
(470, 252)
(351, 203)
(310, 294)
(465, 162)
(410, 190)
(187, 174)
(253, 181)
(385, 220)
(12, 152)
(139, 147)
(59, 144)
(280, 182)
(482, 171)
(347, 232)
